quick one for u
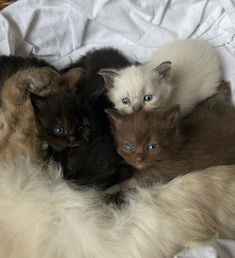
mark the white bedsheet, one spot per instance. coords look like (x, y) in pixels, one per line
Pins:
(62, 30)
(59, 31)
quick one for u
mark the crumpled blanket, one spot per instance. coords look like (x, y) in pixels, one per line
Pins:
(60, 31)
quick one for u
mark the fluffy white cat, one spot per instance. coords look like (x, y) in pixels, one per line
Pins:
(184, 72)
(42, 216)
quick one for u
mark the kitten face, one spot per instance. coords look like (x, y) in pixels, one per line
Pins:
(136, 88)
(61, 120)
(144, 138)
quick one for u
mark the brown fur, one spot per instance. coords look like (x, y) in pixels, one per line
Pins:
(205, 138)
(18, 129)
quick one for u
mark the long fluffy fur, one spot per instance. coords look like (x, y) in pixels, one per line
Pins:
(194, 76)
(18, 130)
(42, 216)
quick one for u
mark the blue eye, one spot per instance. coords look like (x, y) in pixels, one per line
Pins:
(152, 147)
(126, 101)
(148, 98)
(128, 147)
(59, 130)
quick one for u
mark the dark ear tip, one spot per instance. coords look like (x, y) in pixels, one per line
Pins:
(167, 62)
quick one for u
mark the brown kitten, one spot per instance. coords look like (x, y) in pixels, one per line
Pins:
(18, 129)
(160, 144)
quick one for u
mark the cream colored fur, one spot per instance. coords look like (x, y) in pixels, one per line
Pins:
(194, 76)
(42, 216)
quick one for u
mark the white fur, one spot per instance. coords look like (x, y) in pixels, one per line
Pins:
(42, 216)
(195, 75)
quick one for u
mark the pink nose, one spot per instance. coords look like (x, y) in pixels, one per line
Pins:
(139, 158)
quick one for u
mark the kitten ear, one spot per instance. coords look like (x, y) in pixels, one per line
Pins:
(170, 117)
(163, 70)
(108, 75)
(113, 116)
(72, 77)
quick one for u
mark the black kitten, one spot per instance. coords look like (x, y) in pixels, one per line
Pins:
(95, 163)
(64, 120)
(91, 86)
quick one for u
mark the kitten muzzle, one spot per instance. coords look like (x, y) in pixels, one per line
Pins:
(72, 141)
(139, 165)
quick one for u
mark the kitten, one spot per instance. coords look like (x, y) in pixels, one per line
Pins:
(160, 144)
(18, 77)
(92, 86)
(184, 72)
(63, 120)
(95, 164)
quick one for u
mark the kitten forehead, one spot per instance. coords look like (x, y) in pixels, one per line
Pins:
(138, 125)
(130, 82)
(133, 82)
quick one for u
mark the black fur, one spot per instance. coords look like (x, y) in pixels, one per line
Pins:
(95, 161)
(64, 110)
(95, 164)
(91, 87)
(12, 64)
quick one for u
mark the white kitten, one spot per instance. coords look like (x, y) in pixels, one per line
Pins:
(184, 72)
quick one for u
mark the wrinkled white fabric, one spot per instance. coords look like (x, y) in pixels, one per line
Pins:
(62, 30)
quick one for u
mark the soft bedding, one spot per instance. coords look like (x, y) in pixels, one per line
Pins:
(60, 31)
